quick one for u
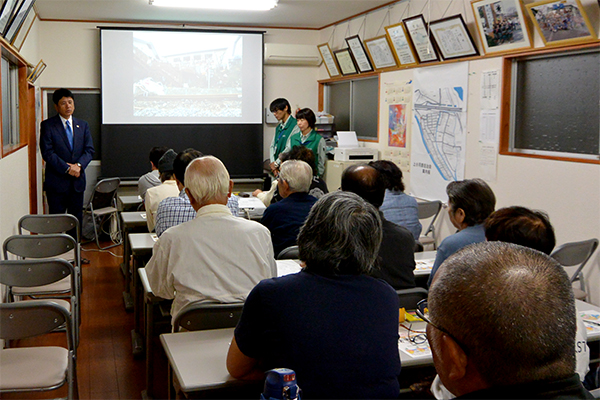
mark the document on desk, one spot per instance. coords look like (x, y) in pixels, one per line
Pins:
(287, 267)
(591, 320)
(424, 265)
(414, 344)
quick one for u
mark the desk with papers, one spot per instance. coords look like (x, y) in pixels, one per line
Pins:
(198, 358)
(132, 221)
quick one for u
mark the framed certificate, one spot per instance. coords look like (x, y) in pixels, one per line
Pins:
(328, 60)
(417, 31)
(8, 7)
(452, 38)
(18, 19)
(380, 52)
(345, 61)
(401, 46)
(359, 53)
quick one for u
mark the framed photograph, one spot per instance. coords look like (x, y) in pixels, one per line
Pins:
(561, 22)
(328, 60)
(8, 7)
(380, 52)
(501, 25)
(417, 32)
(18, 19)
(452, 38)
(401, 45)
(359, 54)
(24, 31)
(345, 61)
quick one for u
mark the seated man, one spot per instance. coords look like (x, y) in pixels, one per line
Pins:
(334, 325)
(529, 228)
(215, 257)
(285, 217)
(168, 188)
(177, 210)
(502, 324)
(152, 178)
(397, 251)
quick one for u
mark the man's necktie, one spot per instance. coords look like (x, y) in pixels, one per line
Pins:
(70, 134)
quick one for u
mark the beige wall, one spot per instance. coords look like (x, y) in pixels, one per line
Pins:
(14, 195)
(569, 192)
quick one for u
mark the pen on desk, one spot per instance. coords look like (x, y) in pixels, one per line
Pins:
(591, 322)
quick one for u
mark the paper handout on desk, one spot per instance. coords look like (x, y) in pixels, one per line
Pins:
(591, 320)
(415, 350)
(424, 265)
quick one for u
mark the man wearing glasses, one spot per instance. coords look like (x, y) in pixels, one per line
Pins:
(501, 324)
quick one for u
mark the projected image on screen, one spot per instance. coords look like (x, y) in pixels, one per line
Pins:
(155, 76)
(176, 78)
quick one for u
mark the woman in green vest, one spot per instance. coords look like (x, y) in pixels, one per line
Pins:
(287, 126)
(309, 138)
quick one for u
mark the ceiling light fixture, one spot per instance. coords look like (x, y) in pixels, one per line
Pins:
(237, 5)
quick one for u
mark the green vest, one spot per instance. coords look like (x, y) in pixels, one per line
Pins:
(282, 134)
(311, 142)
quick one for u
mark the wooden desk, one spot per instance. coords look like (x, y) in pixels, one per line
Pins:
(132, 221)
(198, 358)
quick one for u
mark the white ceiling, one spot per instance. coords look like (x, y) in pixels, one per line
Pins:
(289, 13)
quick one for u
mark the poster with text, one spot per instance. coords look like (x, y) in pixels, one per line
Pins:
(439, 130)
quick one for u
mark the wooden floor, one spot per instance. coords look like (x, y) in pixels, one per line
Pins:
(105, 364)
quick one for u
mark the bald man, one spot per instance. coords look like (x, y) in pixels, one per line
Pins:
(396, 261)
(502, 325)
(215, 257)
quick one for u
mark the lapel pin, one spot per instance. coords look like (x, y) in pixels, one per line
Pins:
(77, 126)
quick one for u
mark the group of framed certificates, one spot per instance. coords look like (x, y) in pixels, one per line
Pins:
(501, 24)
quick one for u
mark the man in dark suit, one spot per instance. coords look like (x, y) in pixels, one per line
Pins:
(67, 147)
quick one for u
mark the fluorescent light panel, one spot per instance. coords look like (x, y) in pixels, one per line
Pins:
(239, 5)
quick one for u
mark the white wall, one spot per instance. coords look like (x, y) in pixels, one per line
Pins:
(14, 196)
(568, 191)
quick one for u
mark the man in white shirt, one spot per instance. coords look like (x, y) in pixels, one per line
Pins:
(215, 257)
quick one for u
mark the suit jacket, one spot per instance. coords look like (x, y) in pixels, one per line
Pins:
(56, 151)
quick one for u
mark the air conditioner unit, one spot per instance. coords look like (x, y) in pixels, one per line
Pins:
(292, 54)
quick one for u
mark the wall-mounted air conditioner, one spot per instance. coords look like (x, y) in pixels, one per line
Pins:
(292, 54)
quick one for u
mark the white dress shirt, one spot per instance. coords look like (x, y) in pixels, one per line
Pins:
(214, 257)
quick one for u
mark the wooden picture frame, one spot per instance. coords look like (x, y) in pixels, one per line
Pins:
(24, 30)
(329, 60)
(357, 49)
(561, 22)
(18, 19)
(345, 61)
(490, 17)
(37, 71)
(8, 7)
(401, 45)
(380, 52)
(452, 38)
(419, 37)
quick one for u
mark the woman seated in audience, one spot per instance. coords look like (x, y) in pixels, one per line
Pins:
(332, 323)
(318, 187)
(470, 202)
(398, 207)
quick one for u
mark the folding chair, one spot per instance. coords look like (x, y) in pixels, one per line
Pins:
(200, 315)
(36, 278)
(103, 205)
(573, 257)
(44, 247)
(42, 368)
(289, 253)
(52, 223)
(410, 297)
(428, 209)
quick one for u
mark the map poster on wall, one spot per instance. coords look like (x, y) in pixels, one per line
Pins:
(438, 129)
(397, 125)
